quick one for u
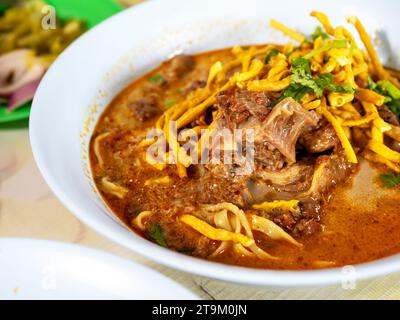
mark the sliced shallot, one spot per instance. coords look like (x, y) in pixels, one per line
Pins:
(23, 95)
(17, 69)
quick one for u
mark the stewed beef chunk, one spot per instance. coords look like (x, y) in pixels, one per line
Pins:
(287, 121)
(145, 108)
(238, 105)
(388, 115)
(178, 66)
(320, 140)
(194, 85)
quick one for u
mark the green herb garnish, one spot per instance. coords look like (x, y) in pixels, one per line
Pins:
(295, 91)
(390, 180)
(303, 81)
(3, 7)
(319, 32)
(271, 54)
(390, 88)
(326, 81)
(389, 91)
(378, 89)
(157, 234)
(168, 103)
(394, 105)
(337, 44)
(157, 79)
(302, 75)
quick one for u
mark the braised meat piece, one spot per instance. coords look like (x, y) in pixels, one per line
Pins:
(268, 156)
(239, 104)
(286, 177)
(213, 182)
(242, 109)
(276, 130)
(306, 182)
(387, 115)
(145, 108)
(194, 85)
(320, 140)
(178, 66)
(336, 168)
(307, 227)
(284, 125)
(180, 237)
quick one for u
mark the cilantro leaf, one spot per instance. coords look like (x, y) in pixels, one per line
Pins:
(309, 83)
(372, 85)
(168, 103)
(157, 234)
(271, 54)
(318, 32)
(390, 180)
(303, 81)
(301, 67)
(295, 91)
(326, 81)
(157, 79)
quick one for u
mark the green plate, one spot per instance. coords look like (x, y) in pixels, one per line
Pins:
(91, 11)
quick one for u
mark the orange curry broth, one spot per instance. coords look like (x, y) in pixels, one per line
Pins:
(361, 219)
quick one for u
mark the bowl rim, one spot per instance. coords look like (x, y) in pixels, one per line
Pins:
(169, 258)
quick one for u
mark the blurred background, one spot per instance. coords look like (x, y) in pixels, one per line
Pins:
(32, 34)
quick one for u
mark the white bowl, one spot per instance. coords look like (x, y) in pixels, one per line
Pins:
(86, 77)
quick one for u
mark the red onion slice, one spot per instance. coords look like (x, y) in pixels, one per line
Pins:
(23, 95)
(23, 68)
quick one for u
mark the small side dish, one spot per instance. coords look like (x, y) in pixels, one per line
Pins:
(28, 46)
